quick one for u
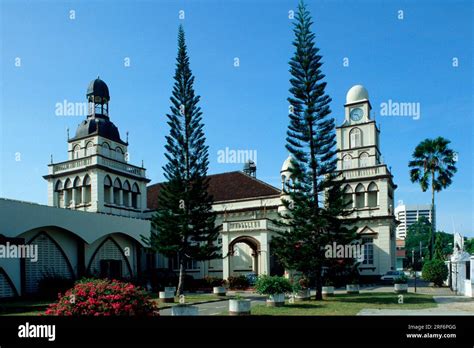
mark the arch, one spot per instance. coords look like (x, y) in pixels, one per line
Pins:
(360, 196)
(106, 149)
(67, 184)
(127, 193)
(347, 196)
(119, 153)
(67, 196)
(254, 245)
(347, 162)
(88, 149)
(364, 159)
(58, 186)
(86, 182)
(117, 191)
(77, 182)
(111, 250)
(7, 288)
(75, 151)
(250, 241)
(355, 138)
(108, 189)
(49, 251)
(135, 195)
(372, 195)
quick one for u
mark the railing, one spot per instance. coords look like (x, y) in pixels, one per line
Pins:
(92, 160)
(363, 172)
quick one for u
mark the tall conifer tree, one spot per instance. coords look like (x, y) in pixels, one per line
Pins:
(184, 224)
(315, 205)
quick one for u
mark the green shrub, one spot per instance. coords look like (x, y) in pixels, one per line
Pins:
(403, 279)
(268, 285)
(238, 282)
(214, 281)
(435, 271)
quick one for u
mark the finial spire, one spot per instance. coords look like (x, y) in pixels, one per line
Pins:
(67, 131)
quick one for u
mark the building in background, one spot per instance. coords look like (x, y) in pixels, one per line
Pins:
(407, 215)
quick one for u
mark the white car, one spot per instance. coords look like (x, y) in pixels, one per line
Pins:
(390, 276)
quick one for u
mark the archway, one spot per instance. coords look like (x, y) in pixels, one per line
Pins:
(238, 257)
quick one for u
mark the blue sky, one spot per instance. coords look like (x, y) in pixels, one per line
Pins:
(245, 107)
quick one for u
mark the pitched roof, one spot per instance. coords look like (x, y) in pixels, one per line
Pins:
(224, 187)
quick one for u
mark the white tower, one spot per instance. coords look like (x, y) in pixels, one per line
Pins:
(368, 182)
(96, 177)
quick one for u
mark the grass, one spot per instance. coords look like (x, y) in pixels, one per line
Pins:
(343, 304)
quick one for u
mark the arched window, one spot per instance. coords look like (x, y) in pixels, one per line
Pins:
(364, 159)
(119, 153)
(347, 162)
(107, 189)
(77, 189)
(135, 196)
(126, 194)
(59, 194)
(75, 151)
(355, 138)
(86, 186)
(348, 196)
(360, 196)
(67, 193)
(117, 189)
(106, 149)
(89, 148)
(372, 195)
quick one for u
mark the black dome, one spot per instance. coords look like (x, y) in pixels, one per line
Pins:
(98, 88)
(98, 126)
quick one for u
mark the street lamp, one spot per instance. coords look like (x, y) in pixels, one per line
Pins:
(413, 263)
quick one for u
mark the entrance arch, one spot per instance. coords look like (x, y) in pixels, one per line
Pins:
(255, 248)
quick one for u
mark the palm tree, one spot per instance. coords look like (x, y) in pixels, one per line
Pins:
(433, 165)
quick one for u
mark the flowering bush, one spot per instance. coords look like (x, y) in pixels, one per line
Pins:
(238, 282)
(102, 297)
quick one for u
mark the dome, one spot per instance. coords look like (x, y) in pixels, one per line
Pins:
(98, 88)
(98, 126)
(287, 164)
(357, 93)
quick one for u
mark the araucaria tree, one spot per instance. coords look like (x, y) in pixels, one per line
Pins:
(183, 227)
(433, 166)
(315, 206)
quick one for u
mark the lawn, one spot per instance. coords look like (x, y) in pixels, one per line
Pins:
(343, 304)
(192, 299)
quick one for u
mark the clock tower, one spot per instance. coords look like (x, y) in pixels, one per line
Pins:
(368, 183)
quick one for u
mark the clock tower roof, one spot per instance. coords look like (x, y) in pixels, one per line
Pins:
(357, 93)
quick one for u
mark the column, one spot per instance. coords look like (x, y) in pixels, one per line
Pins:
(111, 195)
(129, 194)
(83, 194)
(121, 197)
(225, 256)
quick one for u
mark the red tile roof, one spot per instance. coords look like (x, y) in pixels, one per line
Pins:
(224, 187)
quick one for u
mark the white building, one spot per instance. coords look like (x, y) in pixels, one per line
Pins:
(99, 207)
(407, 215)
(368, 182)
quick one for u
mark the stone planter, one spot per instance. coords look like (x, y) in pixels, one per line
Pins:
(276, 300)
(219, 290)
(303, 295)
(184, 310)
(239, 307)
(328, 291)
(166, 296)
(352, 288)
(400, 288)
(170, 289)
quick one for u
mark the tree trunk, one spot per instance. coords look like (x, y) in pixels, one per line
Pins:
(319, 285)
(180, 289)
(432, 239)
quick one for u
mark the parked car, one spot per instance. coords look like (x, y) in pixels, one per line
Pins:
(390, 276)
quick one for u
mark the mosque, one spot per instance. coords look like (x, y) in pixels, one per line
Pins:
(99, 206)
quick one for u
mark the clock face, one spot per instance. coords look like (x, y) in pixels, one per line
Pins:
(356, 114)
